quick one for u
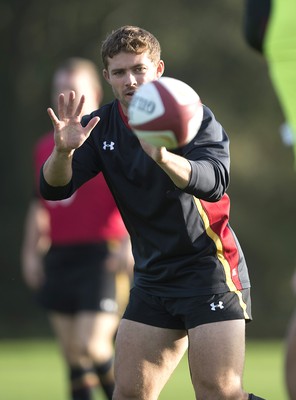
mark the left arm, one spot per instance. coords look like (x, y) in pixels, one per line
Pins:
(176, 167)
(202, 168)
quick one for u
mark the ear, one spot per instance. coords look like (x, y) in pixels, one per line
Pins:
(106, 75)
(160, 68)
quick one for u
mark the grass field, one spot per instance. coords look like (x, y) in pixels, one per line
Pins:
(33, 370)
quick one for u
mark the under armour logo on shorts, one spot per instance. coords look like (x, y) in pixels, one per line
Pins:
(218, 305)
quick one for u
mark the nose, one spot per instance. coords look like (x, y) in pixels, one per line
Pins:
(130, 79)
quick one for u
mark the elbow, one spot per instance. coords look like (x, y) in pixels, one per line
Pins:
(209, 183)
(49, 192)
(215, 195)
(211, 195)
(54, 193)
(219, 188)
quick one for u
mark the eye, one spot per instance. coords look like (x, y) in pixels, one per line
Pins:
(141, 69)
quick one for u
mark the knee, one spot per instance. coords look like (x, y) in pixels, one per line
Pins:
(86, 347)
(228, 388)
(76, 352)
(123, 392)
(135, 388)
(79, 349)
(127, 392)
(125, 388)
(132, 387)
(100, 349)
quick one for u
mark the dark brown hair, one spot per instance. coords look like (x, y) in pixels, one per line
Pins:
(130, 39)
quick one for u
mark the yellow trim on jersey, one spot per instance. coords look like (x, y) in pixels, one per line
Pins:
(218, 243)
(242, 303)
(219, 246)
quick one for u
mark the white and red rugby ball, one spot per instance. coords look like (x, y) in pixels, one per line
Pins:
(165, 112)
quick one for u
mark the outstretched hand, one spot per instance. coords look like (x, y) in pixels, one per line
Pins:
(176, 167)
(69, 134)
(158, 154)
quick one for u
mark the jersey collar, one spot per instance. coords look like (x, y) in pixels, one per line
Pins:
(123, 116)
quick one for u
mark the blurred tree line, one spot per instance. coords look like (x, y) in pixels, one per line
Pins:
(203, 45)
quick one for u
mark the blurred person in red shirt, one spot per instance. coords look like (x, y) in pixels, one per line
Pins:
(72, 253)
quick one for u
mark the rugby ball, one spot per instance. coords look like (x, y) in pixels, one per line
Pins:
(165, 112)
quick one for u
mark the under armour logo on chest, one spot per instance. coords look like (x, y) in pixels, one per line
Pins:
(218, 305)
(107, 145)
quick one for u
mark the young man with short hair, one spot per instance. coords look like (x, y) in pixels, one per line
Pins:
(191, 284)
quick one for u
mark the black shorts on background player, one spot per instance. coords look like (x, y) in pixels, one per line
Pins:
(77, 280)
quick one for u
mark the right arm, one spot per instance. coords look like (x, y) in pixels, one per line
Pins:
(35, 244)
(69, 135)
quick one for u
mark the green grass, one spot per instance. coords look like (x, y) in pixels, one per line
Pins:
(264, 371)
(33, 369)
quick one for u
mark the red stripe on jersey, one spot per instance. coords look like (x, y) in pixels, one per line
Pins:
(218, 217)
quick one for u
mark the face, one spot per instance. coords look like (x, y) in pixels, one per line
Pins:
(81, 83)
(127, 71)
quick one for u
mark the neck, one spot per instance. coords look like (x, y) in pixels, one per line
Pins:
(122, 114)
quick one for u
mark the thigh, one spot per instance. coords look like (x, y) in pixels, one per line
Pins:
(94, 332)
(86, 336)
(145, 357)
(63, 325)
(216, 359)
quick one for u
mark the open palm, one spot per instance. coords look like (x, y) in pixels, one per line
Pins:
(69, 134)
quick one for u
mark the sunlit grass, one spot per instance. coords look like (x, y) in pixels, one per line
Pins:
(33, 369)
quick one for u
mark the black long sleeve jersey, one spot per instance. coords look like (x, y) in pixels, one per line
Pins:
(182, 242)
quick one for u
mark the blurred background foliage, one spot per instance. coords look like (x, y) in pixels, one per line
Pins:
(203, 44)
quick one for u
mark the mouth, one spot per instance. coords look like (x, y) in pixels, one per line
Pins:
(130, 93)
